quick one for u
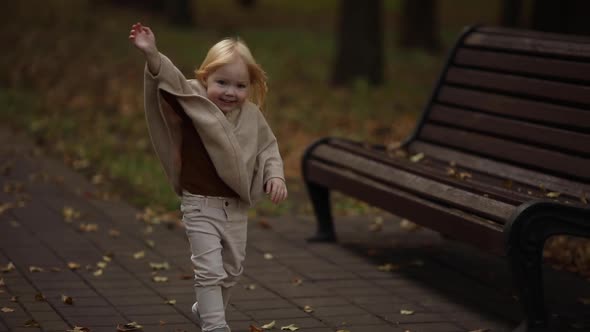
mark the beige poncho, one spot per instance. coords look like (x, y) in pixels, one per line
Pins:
(241, 145)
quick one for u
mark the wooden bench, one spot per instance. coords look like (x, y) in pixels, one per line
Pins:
(499, 159)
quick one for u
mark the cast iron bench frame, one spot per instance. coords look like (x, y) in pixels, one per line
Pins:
(526, 96)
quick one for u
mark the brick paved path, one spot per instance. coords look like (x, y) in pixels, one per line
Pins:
(448, 287)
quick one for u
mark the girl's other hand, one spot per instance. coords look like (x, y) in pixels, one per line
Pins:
(143, 38)
(276, 189)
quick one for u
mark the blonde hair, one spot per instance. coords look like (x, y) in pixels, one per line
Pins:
(223, 53)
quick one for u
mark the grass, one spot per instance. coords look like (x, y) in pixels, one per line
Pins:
(72, 80)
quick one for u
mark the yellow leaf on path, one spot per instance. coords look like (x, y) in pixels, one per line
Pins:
(308, 309)
(417, 157)
(67, 300)
(465, 175)
(70, 214)
(32, 323)
(101, 265)
(9, 267)
(268, 256)
(406, 312)
(139, 254)
(171, 302)
(150, 243)
(2, 283)
(269, 325)
(290, 327)
(7, 309)
(73, 266)
(553, 194)
(584, 198)
(79, 329)
(114, 232)
(14, 299)
(160, 266)
(35, 269)
(97, 273)
(250, 287)
(133, 326)
(159, 279)
(84, 227)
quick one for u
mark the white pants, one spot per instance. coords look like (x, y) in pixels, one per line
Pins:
(217, 229)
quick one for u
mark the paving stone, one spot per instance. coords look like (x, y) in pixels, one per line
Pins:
(434, 327)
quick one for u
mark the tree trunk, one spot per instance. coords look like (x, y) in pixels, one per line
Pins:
(511, 13)
(565, 16)
(360, 42)
(179, 12)
(419, 25)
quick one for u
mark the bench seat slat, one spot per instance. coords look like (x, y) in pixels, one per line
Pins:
(515, 107)
(536, 66)
(500, 169)
(528, 44)
(532, 34)
(500, 149)
(513, 129)
(513, 84)
(421, 186)
(462, 226)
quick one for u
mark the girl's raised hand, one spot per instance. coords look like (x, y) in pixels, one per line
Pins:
(143, 38)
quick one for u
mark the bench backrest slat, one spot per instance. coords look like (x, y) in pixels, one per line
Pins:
(521, 98)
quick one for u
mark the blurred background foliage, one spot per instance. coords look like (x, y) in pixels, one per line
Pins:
(360, 69)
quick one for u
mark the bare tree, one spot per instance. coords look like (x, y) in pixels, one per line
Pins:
(419, 25)
(360, 42)
(511, 13)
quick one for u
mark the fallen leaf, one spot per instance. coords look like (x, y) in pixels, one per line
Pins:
(171, 302)
(14, 223)
(553, 194)
(84, 227)
(264, 224)
(73, 266)
(139, 254)
(250, 287)
(133, 326)
(269, 325)
(254, 328)
(7, 309)
(32, 323)
(150, 243)
(55, 269)
(114, 232)
(107, 258)
(308, 309)
(388, 267)
(407, 225)
(465, 175)
(79, 329)
(163, 322)
(9, 267)
(67, 300)
(160, 266)
(159, 279)
(268, 256)
(451, 171)
(101, 265)
(2, 283)
(97, 273)
(542, 187)
(290, 327)
(417, 157)
(406, 312)
(5, 207)
(14, 298)
(70, 214)
(40, 297)
(584, 198)
(377, 225)
(296, 281)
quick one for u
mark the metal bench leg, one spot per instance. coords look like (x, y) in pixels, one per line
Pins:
(527, 263)
(320, 198)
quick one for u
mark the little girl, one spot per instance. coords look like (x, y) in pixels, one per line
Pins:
(219, 155)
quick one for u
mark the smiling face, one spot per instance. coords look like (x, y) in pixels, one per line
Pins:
(229, 85)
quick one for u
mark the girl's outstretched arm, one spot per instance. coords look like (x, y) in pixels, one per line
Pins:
(143, 38)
